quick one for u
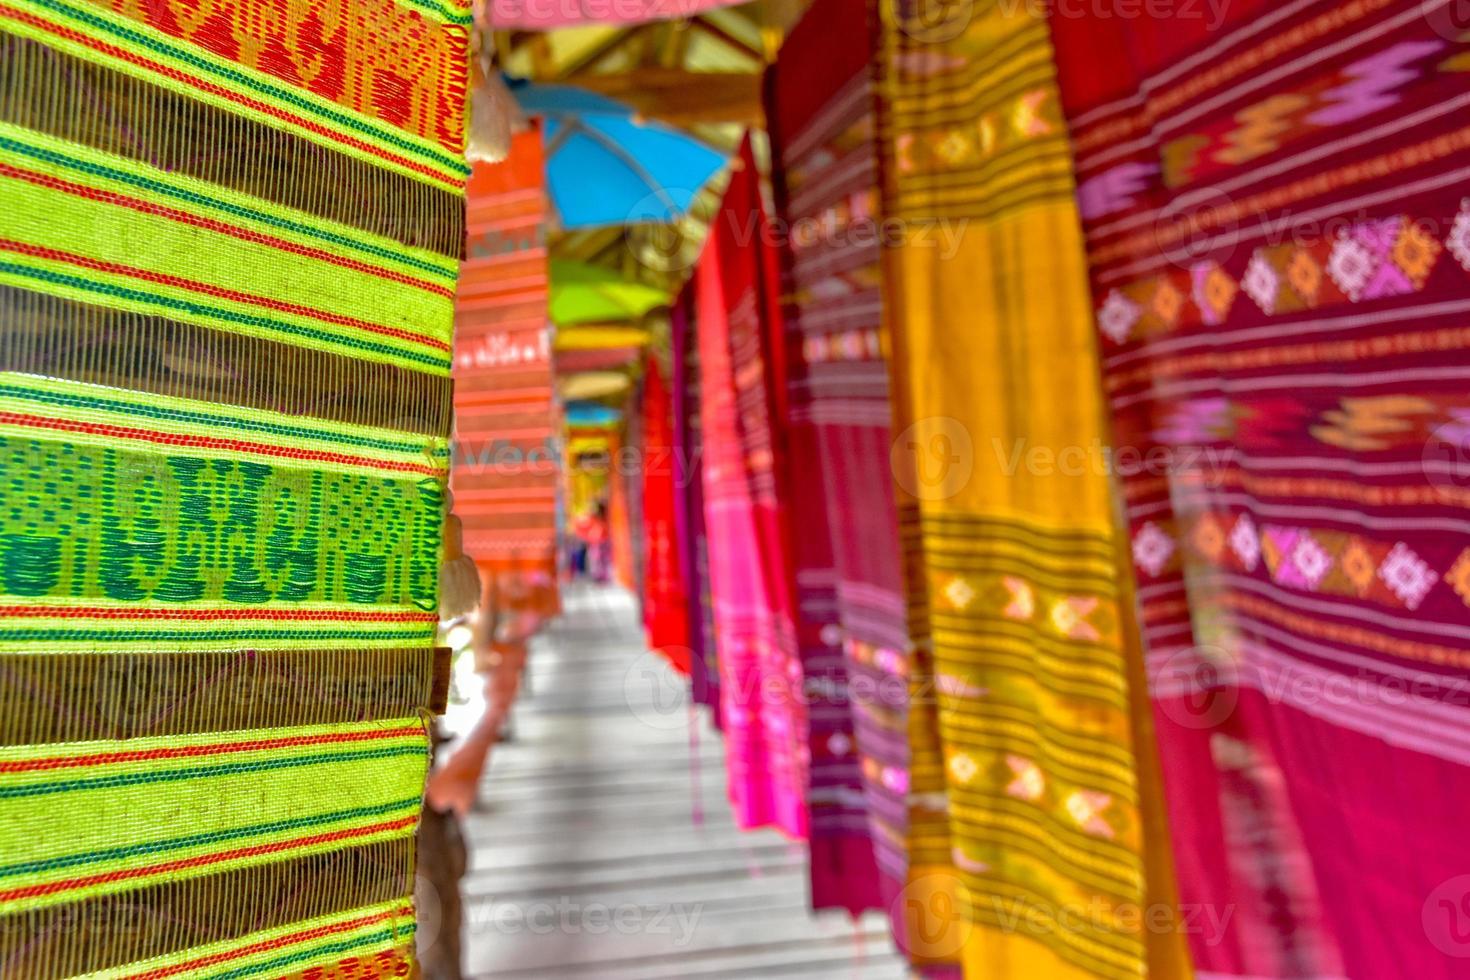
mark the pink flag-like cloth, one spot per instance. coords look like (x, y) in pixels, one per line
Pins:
(750, 575)
(540, 15)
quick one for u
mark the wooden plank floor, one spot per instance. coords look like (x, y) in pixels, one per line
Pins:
(603, 845)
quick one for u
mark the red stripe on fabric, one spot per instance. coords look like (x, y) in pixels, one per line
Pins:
(533, 398)
(219, 292)
(297, 615)
(527, 436)
(269, 944)
(212, 442)
(127, 874)
(184, 217)
(122, 54)
(194, 751)
(487, 500)
(482, 320)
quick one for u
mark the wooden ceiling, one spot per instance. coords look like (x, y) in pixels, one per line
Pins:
(697, 73)
(701, 74)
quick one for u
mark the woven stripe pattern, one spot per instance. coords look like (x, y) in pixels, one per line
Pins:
(507, 454)
(230, 235)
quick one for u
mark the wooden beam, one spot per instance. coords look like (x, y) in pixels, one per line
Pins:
(775, 18)
(676, 44)
(543, 58)
(715, 31)
(652, 46)
(621, 41)
(506, 43)
(684, 98)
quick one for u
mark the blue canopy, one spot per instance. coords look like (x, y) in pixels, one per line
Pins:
(605, 166)
(590, 414)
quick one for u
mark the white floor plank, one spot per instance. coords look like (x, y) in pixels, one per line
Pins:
(603, 846)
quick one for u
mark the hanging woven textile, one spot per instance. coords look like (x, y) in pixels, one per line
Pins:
(750, 580)
(587, 465)
(229, 241)
(622, 505)
(704, 668)
(631, 467)
(506, 470)
(845, 547)
(1273, 198)
(1053, 802)
(665, 605)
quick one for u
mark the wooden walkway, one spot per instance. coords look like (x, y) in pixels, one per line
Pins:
(603, 846)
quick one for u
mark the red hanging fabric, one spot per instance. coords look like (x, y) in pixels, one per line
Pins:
(851, 628)
(665, 604)
(1273, 199)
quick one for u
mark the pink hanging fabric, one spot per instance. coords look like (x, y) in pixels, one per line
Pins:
(540, 15)
(750, 577)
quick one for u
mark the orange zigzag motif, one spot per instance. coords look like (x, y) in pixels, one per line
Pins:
(1371, 84)
(377, 57)
(1261, 124)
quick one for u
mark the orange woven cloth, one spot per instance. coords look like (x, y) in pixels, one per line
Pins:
(506, 460)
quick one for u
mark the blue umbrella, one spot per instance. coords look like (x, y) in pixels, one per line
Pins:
(606, 167)
(586, 414)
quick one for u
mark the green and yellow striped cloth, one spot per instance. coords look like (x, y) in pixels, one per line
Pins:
(229, 242)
